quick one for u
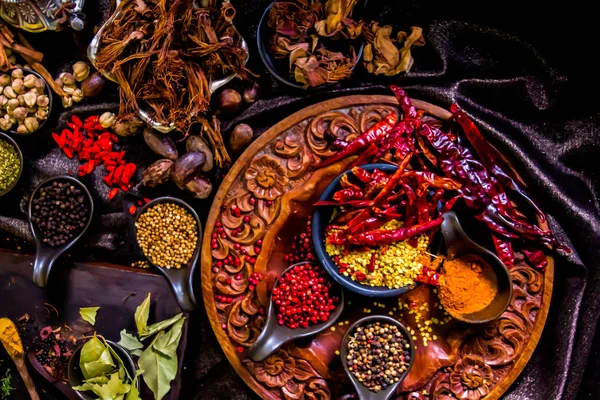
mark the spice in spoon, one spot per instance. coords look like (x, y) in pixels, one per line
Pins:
(167, 234)
(303, 297)
(10, 164)
(378, 355)
(60, 211)
(467, 285)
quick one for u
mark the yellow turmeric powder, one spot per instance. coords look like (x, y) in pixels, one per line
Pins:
(9, 336)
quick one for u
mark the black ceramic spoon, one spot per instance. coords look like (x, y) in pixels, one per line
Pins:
(46, 255)
(458, 244)
(180, 279)
(363, 392)
(273, 335)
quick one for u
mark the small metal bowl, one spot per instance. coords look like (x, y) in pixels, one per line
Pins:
(362, 390)
(76, 377)
(262, 41)
(321, 217)
(9, 140)
(48, 93)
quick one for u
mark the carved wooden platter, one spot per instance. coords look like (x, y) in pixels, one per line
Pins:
(274, 185)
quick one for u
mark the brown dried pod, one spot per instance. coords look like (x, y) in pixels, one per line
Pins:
(188, 166)
(161, 144)
(93, 85)
(251, 93)
(240, 137)
(196, 143)
(157, 173)
(200, 186)
(229, 102)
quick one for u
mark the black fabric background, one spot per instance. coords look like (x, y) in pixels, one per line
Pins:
(523, 70)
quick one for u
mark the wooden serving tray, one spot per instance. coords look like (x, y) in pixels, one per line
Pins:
(116, 289)
(277, 171)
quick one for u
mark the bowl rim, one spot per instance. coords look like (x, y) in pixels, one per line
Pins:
(325, 259)
(50, 102)
(267, 61)
(129, 363)
(11, 141)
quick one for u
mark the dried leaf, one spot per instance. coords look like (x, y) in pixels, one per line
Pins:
(337, 11)
(381, 54)
(130, 342)
(89, 314)
(142, 312)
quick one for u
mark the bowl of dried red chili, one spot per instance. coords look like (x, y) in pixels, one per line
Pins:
(359, 232)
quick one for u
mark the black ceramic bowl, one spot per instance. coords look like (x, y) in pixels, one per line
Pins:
(363, 392)
(279, 68)
(48, 93)
(76, 377)
(10, 141)
(321, 217)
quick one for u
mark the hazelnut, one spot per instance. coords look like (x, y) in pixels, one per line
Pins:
(67, 78)
(81, 70)
(59, 82)
(32, 124)
(3, 101)
(67, 101)
(4, 80)
(69, 89)
(41, 114)
(29, 81)
(93, 85)
(43, 101)
(20, 113)
(9, 92)
(12, 104)
(22, 129)
(77, 95)
(107, 120)
(17, 73)
(5, 124)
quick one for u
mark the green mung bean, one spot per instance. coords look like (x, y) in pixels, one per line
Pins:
(10, 164)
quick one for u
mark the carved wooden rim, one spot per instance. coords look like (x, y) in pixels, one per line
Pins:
(244, 160)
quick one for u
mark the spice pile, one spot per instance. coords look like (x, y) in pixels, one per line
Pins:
(165, 53)
(60, 210)
(304, 32)
(481, 179)
(10, 165)
(303, 297)
(378, 355)
(167, 234)
(23, 101)
(467, 285)
(378, 233)
(93, 144)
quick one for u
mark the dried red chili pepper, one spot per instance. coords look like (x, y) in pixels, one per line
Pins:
(353, 203)
(393, 182)
(371, 266)
(428, 276)
(383, 237)
(504, 250)
(536, 258)
(344, 195)
(408, 109)
(361, 174)
(363, 141)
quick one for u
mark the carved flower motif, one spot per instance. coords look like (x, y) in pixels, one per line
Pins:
(276, 370)
(471, 378)
(266, 178)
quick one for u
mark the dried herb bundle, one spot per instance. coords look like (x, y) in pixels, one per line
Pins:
(164, 54)
(300, 27)
(382, 55)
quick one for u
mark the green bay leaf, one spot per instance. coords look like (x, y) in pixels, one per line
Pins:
(115, 389)
(167, 344)
(160, 326)
(89, 314)
(130, 342)
(141, 315)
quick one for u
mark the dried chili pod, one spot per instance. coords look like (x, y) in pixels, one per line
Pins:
(196, 143)
(157, 173)
(187, 167)
(200, 186)
(162, 145)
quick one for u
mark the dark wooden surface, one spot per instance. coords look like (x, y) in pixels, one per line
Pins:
(118, 290)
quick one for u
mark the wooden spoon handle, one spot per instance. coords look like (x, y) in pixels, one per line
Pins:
(22, 368)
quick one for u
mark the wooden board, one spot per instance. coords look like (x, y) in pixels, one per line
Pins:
(118, 290)
(274, 183)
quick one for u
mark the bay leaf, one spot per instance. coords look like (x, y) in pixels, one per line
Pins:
(141, 315)
(130, 342)
(159, 326)
(113, 390)
(89, 314)
(167, 344)
(95, 359)
(83, 387)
